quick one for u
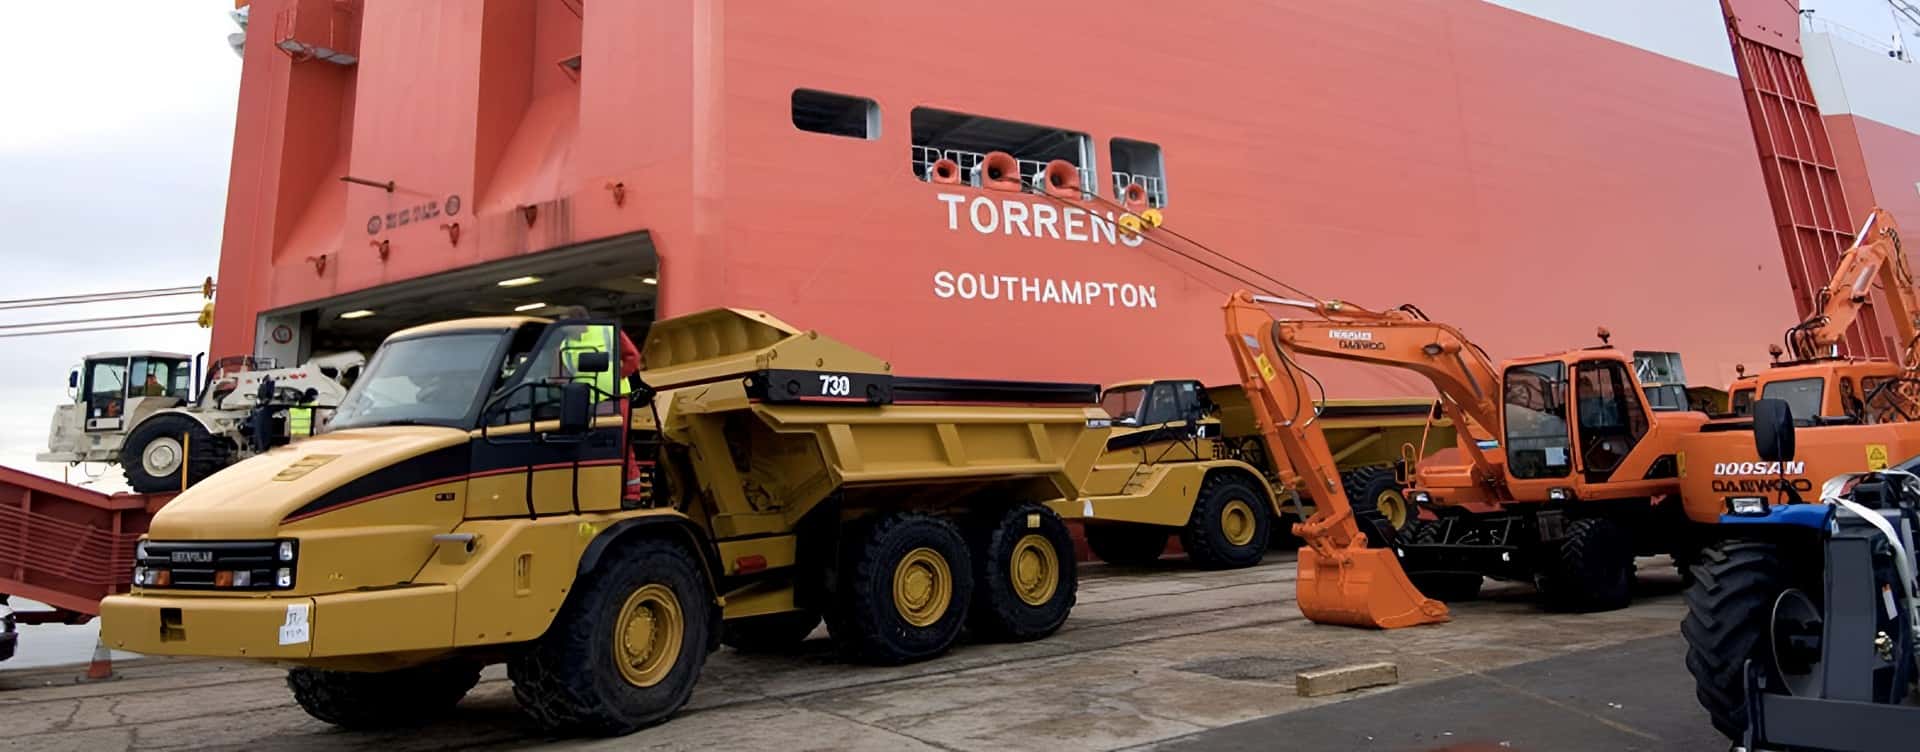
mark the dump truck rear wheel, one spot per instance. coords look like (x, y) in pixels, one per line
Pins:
(153, 453)
(1729, 617)
(903, 590)
(1380, 506)
(1230, 524)
(387, 699)
(1594, 569)
(772, 633)
(1127, 545)
(625, 650)
(1024, 581)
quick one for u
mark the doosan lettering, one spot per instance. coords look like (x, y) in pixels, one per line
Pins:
(1759, 468)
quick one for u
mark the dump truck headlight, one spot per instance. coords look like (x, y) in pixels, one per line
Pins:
(140, 550)
(286, 550)
(1747, 506)
(283, 578)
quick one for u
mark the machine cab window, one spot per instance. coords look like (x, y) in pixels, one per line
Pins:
(159, 377)
(1153, 404)
(106, 390)
(1803, 396)
(531, 391)
(1612, 418)
(1538, 442)
(1743, 402)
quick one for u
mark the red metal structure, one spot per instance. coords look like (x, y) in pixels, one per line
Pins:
(1797, 156)
(66, 546)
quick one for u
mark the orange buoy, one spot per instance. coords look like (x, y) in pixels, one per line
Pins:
(999, 171)
(944, 171)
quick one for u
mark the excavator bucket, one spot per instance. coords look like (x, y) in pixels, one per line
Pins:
(1362, 587)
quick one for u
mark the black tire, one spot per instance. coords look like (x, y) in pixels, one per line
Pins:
(1729, 617)
(574, 679)
(864, 620)
(772, 633)
(1365, 486)
(1210, 536)
(383, 700)
(1451, 587)
(1024, 577)
(1593, 571)
(208, 454)
(1127, 545)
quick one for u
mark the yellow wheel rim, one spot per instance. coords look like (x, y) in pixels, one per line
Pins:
(922, 587)
(1035, 570)
(1238, 523)
(646, 638)
(1393, 506)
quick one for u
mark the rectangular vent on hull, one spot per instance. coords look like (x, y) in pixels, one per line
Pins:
(836, 114)
(967, 139)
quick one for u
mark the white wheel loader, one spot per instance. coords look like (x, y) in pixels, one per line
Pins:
(139, 409)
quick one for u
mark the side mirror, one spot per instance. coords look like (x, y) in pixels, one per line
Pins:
(576, 407)
(310, 395)
(73, 379)
(1773, 430)
(596, 361)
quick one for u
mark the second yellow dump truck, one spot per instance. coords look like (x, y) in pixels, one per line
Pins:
(1184, 459)
(490, 492)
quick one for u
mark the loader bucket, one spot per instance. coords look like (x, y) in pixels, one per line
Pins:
(1362, 587)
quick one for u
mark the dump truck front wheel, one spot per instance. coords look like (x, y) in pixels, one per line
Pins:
(1594, 568)
(625, 650)
(903, 590)
(157, 449)
(1729, 617)
(771, 633)
(1024, 575)
(387, 699)
(1127, 545)
(1230, 524)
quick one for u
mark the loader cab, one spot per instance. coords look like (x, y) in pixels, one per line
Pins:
(107, 385)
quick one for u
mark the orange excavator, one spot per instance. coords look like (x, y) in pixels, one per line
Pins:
(1565, 462)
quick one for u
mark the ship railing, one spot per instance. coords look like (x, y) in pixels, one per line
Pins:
(1030, 169)
(1854, 37)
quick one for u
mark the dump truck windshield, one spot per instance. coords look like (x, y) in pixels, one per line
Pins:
(1124, 403)
(432, 380)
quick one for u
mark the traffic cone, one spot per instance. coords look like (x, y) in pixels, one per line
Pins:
(101, 667)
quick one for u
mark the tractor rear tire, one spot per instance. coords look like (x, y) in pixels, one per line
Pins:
(1024, 577)
(1594, 568)
(903, 590)
(625, 650)
(382, 700)
(1127, 545)
(1230, 524)
(1373, 493)
(772, 633)
(152, 455)
(1729, 618)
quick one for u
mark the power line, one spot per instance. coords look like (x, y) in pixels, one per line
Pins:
(98, 319)
(97, 329)
(99, 297)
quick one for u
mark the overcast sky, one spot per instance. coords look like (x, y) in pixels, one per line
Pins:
(113, 173)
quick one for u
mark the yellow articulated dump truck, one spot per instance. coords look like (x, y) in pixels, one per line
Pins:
(1186, 459)
(494, 490)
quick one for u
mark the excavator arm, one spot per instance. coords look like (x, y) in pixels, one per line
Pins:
(1341, 581)
(1876, 258)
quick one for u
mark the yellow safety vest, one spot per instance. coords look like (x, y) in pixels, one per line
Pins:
(590, 339)
(299, 422)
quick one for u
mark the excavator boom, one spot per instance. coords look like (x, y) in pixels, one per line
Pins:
(1341, 580)
(1876, 258)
